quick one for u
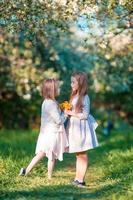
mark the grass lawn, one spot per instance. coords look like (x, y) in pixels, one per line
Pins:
(109, 176)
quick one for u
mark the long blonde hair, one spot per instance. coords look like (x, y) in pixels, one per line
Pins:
(50, 88)
(81, 78)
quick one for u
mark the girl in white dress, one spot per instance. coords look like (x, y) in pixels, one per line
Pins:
(52, 141)
(81, 126)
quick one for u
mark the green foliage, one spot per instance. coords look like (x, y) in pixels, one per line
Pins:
(21, 78)
(41, 39)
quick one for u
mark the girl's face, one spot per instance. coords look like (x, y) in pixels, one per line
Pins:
(74, 84)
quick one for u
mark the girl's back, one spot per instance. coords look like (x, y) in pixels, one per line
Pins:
(50, 117)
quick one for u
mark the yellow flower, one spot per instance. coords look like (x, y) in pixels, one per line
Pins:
(65, 105)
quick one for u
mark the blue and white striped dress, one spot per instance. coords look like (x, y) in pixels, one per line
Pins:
(81, 129)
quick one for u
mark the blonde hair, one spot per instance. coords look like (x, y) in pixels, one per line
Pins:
(81, 78)
(50, 88)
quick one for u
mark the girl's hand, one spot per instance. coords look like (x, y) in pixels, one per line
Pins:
(69, 112)
(66, 112)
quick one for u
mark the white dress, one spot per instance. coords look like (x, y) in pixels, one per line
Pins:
(81, 129)
(52, 138)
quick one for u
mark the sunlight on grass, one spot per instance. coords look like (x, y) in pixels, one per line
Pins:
(109, 176)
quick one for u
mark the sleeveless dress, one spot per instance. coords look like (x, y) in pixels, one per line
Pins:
(52, 139)
(81, 129)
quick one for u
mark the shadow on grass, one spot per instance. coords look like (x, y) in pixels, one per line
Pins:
(21, 145)
(63, 192)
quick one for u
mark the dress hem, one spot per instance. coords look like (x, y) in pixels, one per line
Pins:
(83, 150)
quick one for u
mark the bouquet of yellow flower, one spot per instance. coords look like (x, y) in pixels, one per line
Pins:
(65, 105)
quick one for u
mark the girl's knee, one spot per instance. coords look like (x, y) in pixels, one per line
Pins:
(83, 153)
(41, 154)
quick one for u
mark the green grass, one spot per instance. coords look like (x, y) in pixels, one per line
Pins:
(109, 176)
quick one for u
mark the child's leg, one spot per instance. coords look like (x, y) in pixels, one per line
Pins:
(50, 168)
(81, 166)
(34, 161)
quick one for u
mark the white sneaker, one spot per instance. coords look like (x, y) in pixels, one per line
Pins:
(22, 172)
